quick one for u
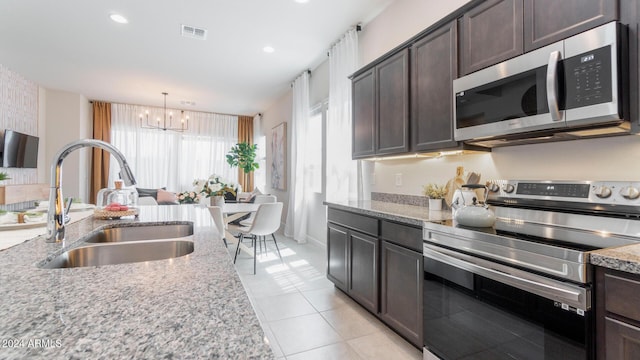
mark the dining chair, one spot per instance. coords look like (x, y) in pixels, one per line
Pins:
(259, 199)
(221, 226)
(266, 222)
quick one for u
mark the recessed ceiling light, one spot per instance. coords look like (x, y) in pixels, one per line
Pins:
(302, 1)
(268, 49)
(119, 18)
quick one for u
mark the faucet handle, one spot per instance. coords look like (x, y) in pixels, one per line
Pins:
(67, 209)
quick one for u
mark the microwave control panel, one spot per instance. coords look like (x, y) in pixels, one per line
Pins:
(588, 78)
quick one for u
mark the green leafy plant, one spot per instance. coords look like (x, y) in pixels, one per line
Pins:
(434, 191)
(243, 155)
(4, 176)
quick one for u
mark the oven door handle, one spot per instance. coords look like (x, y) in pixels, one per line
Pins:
(552, 86)
(564, 293)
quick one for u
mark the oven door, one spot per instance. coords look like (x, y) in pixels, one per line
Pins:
(475, 309)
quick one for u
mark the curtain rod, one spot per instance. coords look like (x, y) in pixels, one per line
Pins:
(306, 71)
(198, 111)
(357, 27)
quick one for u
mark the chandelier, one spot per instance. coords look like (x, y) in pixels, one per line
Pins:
(164, 124)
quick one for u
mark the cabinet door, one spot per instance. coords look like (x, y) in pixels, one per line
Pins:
(622, 340)
(548, 21)
(337, 256)
(401, 291)
(363, 274)
(434, 65)
(364, 115)
(392, 77)
(491, 33)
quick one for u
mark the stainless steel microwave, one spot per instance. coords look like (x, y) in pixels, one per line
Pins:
(571, 84)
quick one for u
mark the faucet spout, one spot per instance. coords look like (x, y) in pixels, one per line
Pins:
(56, 215)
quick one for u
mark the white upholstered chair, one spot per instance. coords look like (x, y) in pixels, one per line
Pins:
(266, 222)
(259, 199)
(218, 220)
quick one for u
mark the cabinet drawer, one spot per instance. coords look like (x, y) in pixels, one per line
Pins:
(622, 296)
(403, 235)
(365, 224)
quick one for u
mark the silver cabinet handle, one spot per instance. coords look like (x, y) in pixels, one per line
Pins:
(547, 288)
(552, 86)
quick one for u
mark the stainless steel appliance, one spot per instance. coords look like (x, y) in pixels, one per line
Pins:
(523, 288)
(571, 85)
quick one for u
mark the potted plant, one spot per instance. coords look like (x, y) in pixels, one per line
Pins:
(4, 176)
(243, 155)
(215, 187)
(435, 193)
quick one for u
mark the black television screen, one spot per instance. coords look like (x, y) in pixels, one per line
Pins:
(19, 150)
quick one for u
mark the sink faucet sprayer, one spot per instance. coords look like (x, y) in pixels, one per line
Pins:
(56, 215)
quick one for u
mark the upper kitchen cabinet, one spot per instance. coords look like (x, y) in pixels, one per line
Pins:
(490, 33)
(548, 21)
(364, 131)
(381, 108)
(392, 79)
(434, 65)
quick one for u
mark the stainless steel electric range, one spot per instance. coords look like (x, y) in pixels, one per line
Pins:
(523, 289)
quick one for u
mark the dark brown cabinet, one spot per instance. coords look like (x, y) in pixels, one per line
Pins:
(381, 108)
(490, 33)
(434, 65)
(364, 115)
(548, 21)
(392, 86)
(401, 287)
(379, 264)
(617, 315)
(352, 256)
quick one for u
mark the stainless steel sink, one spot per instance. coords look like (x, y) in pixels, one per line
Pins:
(121, 253)
(144, 232)
(128, 244)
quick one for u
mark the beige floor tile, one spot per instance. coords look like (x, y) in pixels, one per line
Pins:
(284, 306)
(339, 351)
(350, 323)
(380, 346)
(303, 333)
(273, 342)
(326, 298)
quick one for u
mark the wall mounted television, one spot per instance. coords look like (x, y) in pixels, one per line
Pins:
(19, 150)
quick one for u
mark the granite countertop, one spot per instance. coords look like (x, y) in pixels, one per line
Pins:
(407, 214)
(189, 307)
(623, 258)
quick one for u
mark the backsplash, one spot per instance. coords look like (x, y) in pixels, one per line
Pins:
(401, 199)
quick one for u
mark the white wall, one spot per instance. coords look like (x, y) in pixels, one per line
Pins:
(400, 21)
(68, 119)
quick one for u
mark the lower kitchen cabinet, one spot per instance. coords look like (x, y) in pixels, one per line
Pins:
(617, 315)
(401, 290)
(379, 264)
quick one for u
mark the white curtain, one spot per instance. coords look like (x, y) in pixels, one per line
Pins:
(342, 172)
(168, 158)
(297, 213)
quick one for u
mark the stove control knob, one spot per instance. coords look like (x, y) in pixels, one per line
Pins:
(602, 192)
(630, 193)
(493, 187)
(508, 188)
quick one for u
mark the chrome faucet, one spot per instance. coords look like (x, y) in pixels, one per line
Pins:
(56, 215)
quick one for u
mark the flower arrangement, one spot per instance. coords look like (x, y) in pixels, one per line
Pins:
(215, 185)
(188, 197)
(434, 191)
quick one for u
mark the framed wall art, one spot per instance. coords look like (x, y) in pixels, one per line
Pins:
(279, 157)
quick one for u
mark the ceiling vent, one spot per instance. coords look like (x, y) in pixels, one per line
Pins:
(194, 32)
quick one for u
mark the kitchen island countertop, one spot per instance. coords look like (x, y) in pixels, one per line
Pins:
(189, 307)
(624, 258)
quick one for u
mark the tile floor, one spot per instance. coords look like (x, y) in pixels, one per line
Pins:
(304, 316)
